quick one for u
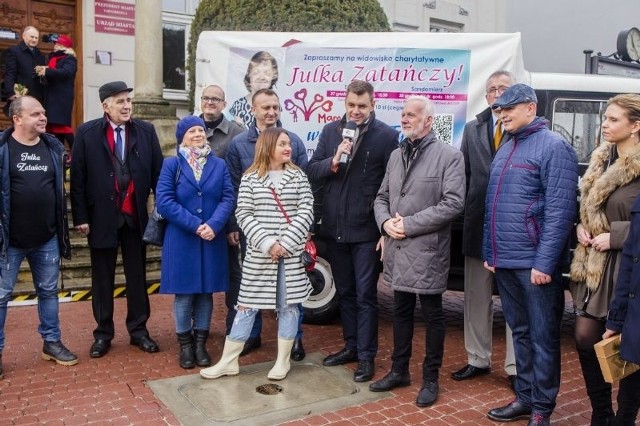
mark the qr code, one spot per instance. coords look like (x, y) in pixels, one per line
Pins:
(443, 126)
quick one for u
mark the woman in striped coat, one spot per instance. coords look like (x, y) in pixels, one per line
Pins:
(275, 212)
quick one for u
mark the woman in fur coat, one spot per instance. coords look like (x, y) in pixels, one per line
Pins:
(607, 191)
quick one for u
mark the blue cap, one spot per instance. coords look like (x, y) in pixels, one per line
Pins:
(185, 124)
(514, 95)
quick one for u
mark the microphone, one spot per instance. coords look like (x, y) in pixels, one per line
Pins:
(350, 131)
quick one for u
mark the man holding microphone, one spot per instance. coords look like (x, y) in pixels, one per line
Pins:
(350, 162)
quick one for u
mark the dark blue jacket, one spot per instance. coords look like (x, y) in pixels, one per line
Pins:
(241, 152)
(19, 68)
(57, 152)
(531, 200)
(348, 195)
(624, 311)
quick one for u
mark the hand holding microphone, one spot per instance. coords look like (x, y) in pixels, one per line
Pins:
(349, 135)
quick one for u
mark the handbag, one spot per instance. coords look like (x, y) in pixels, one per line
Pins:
(154, 231)
(613, 367)
(308, 255)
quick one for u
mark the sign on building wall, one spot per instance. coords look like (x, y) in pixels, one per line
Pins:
(114, 17)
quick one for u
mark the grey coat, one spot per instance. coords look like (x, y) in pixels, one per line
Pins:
(429, 196)
(478, 151)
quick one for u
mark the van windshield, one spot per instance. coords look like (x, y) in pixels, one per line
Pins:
(578, 121)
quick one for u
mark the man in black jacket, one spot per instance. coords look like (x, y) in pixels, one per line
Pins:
(33, 224)
(115, 164)
(20, 64)
(348, 222)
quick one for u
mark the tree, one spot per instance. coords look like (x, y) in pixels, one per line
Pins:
(283, 16)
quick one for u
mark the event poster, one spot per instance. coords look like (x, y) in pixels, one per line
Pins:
(311, 82)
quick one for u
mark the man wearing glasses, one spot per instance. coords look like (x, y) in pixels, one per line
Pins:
(220, 131)
(480, 141)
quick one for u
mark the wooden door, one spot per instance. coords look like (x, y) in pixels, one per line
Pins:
(49, 17)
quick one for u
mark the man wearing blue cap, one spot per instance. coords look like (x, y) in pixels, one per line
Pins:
(530, 209)
(116, 161)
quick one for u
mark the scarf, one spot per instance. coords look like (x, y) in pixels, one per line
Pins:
(196, 157)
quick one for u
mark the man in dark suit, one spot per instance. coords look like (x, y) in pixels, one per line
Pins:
(352, 170)
(21, 61)
(480, 141)
(115, 164)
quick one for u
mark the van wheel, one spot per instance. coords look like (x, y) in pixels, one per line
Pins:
(322, 305)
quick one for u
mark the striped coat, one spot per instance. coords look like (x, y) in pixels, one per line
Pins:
(260, 219)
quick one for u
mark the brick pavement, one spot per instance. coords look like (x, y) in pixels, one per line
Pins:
(112, 390)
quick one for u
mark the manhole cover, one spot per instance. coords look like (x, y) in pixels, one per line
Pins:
(269, 389)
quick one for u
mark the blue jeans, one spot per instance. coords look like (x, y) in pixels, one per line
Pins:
(44, 262)
(192, 311)
(287, 323)
(534, 313)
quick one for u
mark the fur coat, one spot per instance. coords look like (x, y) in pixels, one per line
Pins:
(597, 184)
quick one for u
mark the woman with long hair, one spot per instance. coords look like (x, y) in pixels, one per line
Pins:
(275, 212)
(607, 191)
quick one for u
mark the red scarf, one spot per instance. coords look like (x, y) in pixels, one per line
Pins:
(126, 206)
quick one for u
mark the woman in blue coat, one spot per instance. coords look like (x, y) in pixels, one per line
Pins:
(195, 196)
(624, 317)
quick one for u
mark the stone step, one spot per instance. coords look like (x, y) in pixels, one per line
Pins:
(81, 288)
(82, 284)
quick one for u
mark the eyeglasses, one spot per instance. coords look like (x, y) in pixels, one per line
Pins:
(496, 90)
(208, 100)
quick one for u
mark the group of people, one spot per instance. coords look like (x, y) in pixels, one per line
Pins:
(239, 209)
(50, 80)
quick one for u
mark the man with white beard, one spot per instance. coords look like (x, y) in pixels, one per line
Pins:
(421, 195)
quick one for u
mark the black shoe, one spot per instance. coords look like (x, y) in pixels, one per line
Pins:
(469, 372)
(391, 381)
(145, 343)
(345, 356)
(99, 348)
(509, 413)
(56, 351)
(297, 351)
(187, 358)
(538, 419)
(364, 372)
(202, 357)
(428, 394)
(250, 345)
(512, 382)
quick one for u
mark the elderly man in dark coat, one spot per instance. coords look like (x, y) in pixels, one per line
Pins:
(116, 161)
(421, 195)
(20, 63)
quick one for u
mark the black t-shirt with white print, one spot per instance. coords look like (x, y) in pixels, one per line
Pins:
(33, 197)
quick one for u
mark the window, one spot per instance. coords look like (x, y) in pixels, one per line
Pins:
(174, 56)
(176, 29)
(440, 26)
(578, 121)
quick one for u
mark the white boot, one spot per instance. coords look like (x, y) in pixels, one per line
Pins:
(228, 364)
(283, 363)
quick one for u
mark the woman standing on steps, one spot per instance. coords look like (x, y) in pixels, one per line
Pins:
(195, 196)
(275, 212)
(607, 191)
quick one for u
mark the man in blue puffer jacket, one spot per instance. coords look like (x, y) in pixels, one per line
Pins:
(530, 210)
